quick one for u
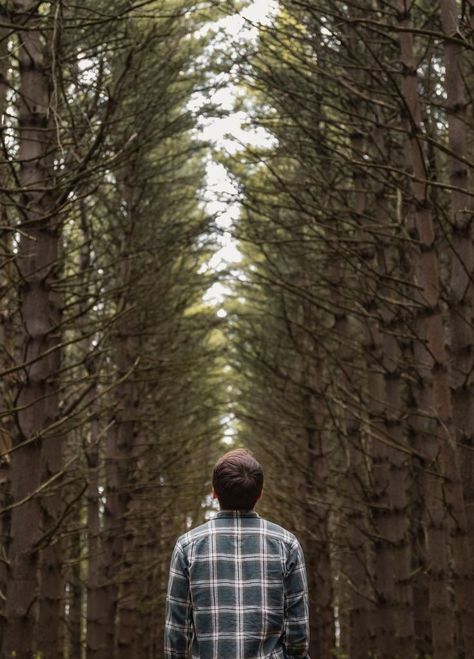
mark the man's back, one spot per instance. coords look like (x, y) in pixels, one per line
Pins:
(237, 590)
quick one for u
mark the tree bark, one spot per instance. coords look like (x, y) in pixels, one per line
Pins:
(430, 351)
(317, 499)
(95, 593)
(358, 559)
(37, 401)
(120, 447)
(6, 342)
(129, 600)
(461, 314)
(395, 453)
(76, 593)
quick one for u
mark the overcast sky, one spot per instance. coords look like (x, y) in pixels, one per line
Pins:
(228, 133)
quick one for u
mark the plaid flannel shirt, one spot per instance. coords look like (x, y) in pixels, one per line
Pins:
(237, 590)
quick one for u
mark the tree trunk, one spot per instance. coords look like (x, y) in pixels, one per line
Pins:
(6, 343)
(37, 400)
(130, 596)
(120, 447)
(51, 592)
(384, 615)
(358, 567)
(127, 602)
(395, 452)
(461, 315)
(432, 364)
(317, 504)
(95, 593)
(75, 594)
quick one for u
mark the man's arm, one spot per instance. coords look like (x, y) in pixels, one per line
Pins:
(296, 605)
(178, 623)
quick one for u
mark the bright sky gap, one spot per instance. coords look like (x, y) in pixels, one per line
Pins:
(229, 134)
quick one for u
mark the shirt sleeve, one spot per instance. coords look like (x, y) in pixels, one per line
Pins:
(296, 605)
(178, 617)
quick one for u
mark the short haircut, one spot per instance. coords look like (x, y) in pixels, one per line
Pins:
(237, 480)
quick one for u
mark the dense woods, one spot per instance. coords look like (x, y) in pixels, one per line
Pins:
(353, 318)
(107, 365)
(345, 360)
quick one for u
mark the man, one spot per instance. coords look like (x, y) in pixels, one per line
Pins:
(237, 586)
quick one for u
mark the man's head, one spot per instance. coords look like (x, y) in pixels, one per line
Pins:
(237, 480)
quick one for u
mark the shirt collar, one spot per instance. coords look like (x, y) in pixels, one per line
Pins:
(236, 513)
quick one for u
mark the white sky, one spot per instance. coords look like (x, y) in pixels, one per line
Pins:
(230, 134)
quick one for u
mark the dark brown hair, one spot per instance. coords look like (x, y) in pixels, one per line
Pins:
(237, 480)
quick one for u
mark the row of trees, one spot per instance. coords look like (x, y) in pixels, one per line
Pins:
(350, 331)
(352, 322)
(106, 360)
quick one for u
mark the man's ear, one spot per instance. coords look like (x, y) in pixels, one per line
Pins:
(214, 495)
(260, 495)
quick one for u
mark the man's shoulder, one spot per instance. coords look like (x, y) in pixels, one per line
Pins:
(265, 527)
(197, 532)
(273, 529)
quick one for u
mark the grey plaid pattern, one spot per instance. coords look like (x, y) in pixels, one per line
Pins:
(237, 590)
